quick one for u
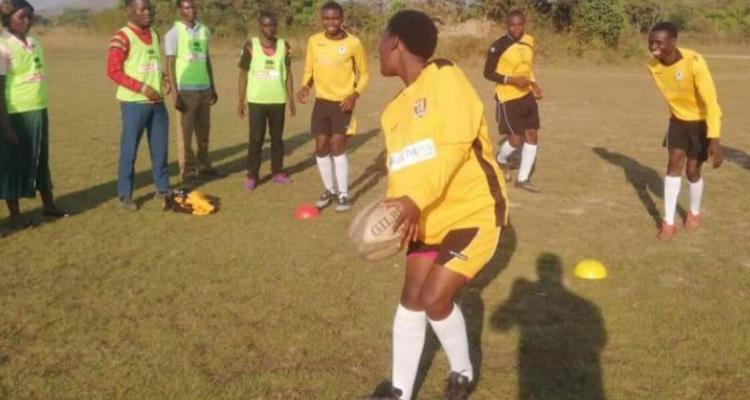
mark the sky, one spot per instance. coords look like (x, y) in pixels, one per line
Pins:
(48, 5)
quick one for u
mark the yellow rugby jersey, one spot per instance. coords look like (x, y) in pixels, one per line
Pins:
(513, 58)
(689, 89)
(331, 65)
(440, 154)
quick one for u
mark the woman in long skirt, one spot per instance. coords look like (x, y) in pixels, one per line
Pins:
(24, 143)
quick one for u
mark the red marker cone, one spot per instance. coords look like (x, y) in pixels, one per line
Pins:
(306, 211)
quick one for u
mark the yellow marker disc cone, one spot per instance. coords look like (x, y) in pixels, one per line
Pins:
(590, 269)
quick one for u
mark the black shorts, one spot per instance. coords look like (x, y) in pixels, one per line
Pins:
(328, 119)
(516, 116)
(690, 136)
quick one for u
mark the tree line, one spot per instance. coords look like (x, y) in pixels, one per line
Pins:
(603, 21)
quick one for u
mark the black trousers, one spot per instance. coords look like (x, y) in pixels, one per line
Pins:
(261, 116)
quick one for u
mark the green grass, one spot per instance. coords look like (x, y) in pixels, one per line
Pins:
(252, 304)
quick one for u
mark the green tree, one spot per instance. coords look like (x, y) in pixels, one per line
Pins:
(600, 19)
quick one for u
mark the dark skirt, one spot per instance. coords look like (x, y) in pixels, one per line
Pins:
(24, 167)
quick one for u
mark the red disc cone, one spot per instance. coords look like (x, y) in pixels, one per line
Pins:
(306, 211)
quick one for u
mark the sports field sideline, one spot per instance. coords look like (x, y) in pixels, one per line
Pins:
(250, 303)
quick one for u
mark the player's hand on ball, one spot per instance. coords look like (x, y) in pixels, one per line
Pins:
(716, 152)
(408, 219)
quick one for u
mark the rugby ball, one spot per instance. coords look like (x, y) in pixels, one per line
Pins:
(371, 232)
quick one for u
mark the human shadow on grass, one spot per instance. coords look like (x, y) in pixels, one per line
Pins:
(355, 142)
(562, 337)
(473, 308)
(644, 179)
(737, 156)
(239, 164)
(369, 178)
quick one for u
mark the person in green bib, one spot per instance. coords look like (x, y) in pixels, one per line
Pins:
(24, 143)
(186, 47)
(134, 64)
(266, 87)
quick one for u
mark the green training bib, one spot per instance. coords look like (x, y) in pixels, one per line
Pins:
(143, 64)
(191, 62)
(266, 79)
(25, 89)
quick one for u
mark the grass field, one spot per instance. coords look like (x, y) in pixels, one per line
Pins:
(252, 304)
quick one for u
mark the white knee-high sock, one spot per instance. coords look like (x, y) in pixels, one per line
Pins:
(505, 151)
(325, 167)
(341, 165)
(528, 156)
(671, 192)
(409, 328)
(696, 194)
(453, 337)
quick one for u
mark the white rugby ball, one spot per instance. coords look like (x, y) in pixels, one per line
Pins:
(371, 232)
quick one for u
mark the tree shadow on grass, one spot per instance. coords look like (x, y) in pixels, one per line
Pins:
(645, 180)
(737, 156)
(473, 308)
(87, 199)
(562, 337)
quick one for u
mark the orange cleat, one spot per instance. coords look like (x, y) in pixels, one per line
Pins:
(692, 222)
(666, 231)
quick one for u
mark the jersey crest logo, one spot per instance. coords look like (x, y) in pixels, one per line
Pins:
(420, 108)
(341, 50)
(680, 75)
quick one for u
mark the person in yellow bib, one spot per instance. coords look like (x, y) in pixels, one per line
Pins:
(134, 64)
(683, 77)
(186, 47)
(337, 65)
(24, 142)
(444, 181)
(266, 87)
(509, 65)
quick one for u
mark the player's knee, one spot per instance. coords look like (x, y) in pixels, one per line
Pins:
(411, 299)
(515, 140)
(693, 176)
(435, 305)
(532, 137)
(337, 150)
(322, 149)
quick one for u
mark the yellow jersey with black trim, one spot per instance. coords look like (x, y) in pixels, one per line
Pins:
(689, 90)
(337, 68)
(514, 59)
(439, 153)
